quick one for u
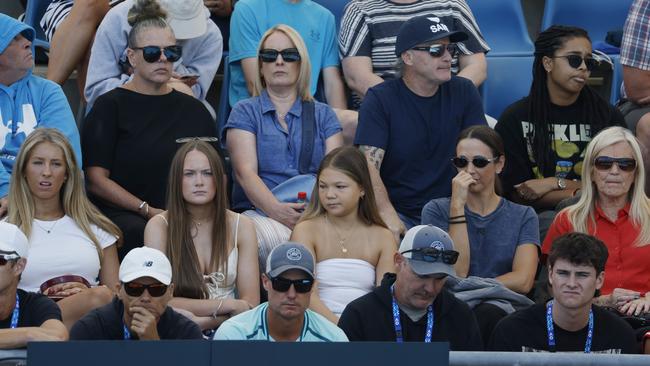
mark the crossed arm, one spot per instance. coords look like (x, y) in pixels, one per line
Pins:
(50, 330)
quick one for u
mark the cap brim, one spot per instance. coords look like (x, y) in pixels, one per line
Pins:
(278, 271)
(427, 268)
(9, 249)
(157, 276)
(189, 28)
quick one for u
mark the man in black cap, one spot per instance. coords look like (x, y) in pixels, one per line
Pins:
(408, 126)
(411, 305)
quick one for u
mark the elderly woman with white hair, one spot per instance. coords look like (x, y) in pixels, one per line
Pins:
(614, 208)
(266, 139)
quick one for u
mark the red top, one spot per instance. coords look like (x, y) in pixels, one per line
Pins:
(628, 266)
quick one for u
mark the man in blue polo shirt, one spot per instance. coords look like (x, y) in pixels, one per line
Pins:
(408, 126)
(285, 317)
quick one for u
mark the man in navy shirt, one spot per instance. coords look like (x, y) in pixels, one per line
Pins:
(408, 126)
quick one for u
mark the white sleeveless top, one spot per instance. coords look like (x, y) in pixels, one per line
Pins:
(341, 280)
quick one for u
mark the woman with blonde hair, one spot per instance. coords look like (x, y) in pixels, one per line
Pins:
(352, 246)
(72, 245)
(279, 134)
(614, 208)
(213, 251)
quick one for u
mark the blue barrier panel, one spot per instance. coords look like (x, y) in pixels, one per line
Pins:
(328, 354)
(120, 353)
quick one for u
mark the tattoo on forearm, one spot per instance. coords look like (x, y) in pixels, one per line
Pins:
(375, 155)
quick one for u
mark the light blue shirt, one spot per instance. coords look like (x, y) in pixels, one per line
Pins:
(251, 18)
(253, 326)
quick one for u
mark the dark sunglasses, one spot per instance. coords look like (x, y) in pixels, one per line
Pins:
(152, 53)
(576, 61)
(282, 284)
(606, 162)
(6, 258)
(478, 161)
(437, 50)
(432, 255)
(137, 289)
(288, 55)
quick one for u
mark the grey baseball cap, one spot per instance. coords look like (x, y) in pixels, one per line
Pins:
(288, 256)
(423, 237)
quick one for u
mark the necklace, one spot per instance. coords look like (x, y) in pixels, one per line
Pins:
(46, 229)
(341, 239)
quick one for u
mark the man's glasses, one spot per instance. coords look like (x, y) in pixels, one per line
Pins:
(437, 50)
(6, 258)
(288, 55)
(137, 289)
(576, 61)
(606, 162)
(282, 284)
(478, 161)
(152, 53)
(183, 140)
(432, 255)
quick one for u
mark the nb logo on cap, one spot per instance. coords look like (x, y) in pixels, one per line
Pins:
(437, 245)
(294, 254)
(148, 264)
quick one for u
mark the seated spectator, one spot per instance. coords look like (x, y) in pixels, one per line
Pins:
(342, 227)
(407, 125)
(369, 30)
(25, 316)
(289, 279)
(251, 19)
(213, 250)
(265, 134)
(200, 39)
(220, 11)
(129, 136)
(26, 101)
(140, 309)
(404, 307)
(569, 322)
(614, 208)
(547, 132)
(495, 238)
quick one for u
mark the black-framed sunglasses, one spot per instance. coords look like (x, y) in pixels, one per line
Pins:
(152, 54)
(282, 284)
(576, 61)
(432, 255)
(137, 289)
(288, 55)
(6, 258)
(437, 50)
(183, 140)
(606, 162)
(478, 161)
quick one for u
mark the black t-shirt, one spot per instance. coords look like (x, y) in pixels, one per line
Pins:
(134, 136)
(571, 135)
(34, 310)
(370, 318)
(525, 331)
(106, 323)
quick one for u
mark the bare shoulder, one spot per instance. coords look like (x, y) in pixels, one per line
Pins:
(383, 237)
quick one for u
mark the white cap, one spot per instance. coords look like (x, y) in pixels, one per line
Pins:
(13, 240)
(187, 18)
(146, 262)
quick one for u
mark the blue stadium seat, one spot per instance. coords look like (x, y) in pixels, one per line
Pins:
(33, 14)
(503, 25)
(336, 7)
(509, 80)
(223, 109)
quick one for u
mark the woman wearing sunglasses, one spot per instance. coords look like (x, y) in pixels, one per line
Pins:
(213, 251)
(128, 139)
(342, 227)
(265, 136)
(72, 245)
(614, 208)
(496, 238)
(546, 133)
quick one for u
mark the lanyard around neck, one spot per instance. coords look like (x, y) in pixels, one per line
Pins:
(397, 323)
(551, 333)
(15, 314)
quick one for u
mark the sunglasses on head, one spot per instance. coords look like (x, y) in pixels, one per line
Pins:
(576, 61)
(282, 284)
(432, 255)
(288, 55)
(183, 140)
(606, 162)
(437, 50)
(6, 258)
(478, 161)
(137, 289)
(152, 53)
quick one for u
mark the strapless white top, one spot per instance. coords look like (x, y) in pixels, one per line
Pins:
(341, 280)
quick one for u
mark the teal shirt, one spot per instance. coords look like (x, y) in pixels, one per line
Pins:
(253, 326)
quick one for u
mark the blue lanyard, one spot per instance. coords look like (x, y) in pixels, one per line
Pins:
(127, 334)
(15, 314)
(551, 334)
(398, 324)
